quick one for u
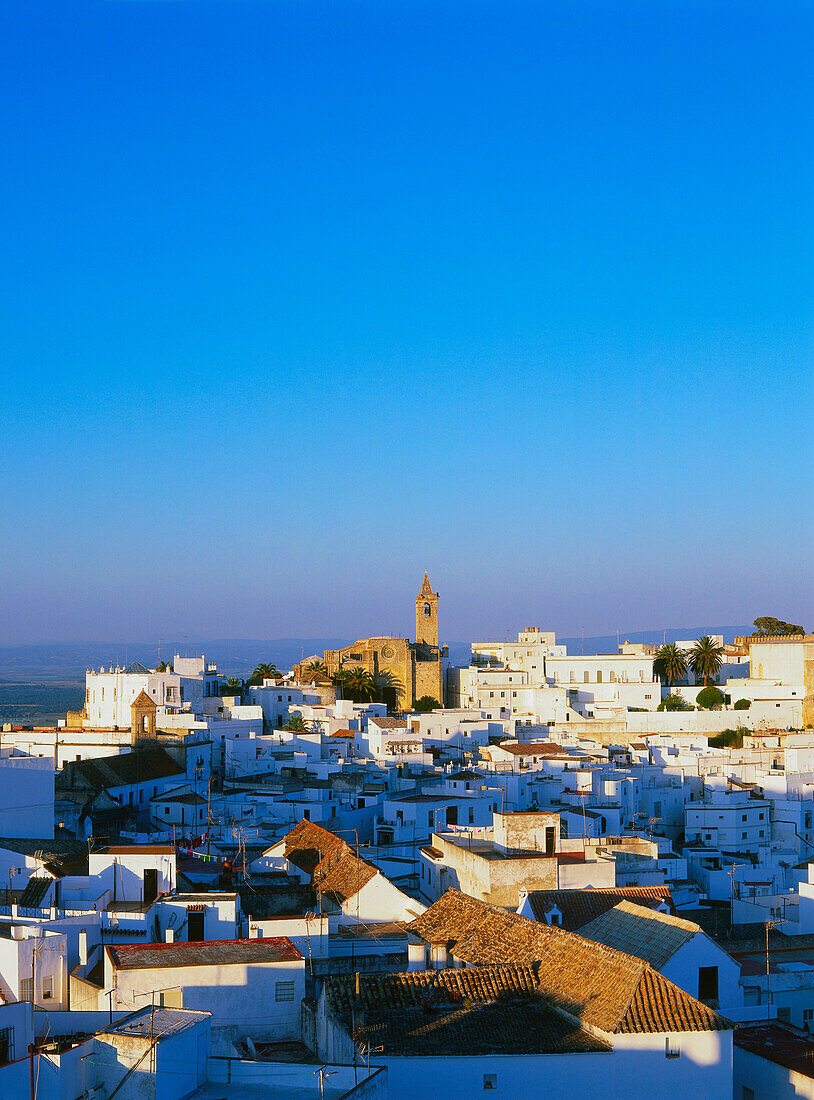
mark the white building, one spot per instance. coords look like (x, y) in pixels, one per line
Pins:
(34, 966)
(192, 684)
(733, 821)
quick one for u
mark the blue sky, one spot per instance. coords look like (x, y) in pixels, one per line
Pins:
(300, 299)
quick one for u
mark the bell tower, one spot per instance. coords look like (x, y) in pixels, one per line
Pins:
(426, 614)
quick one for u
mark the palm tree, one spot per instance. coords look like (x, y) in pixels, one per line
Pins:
(317, 666)
(264, 672)
(670, 664)
(232, 686)
(705, 658)
(295, 723)
(360, 686)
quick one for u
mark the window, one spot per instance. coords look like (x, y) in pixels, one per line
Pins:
(6, 1045)
(166, 811)
(648, 696)
(489, 1082)
(743, 836)
(599, 675)
(784, 1014)
(707, 983)
(283, 991)
(471, 816)
(429, 819)
(47, 989)
(26, 989)
(672, 1048)
(743, 817)
(586, 678)
(808, 1016)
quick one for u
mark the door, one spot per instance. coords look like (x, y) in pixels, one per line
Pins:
(452, 815)
(150, 885)
(195, 925)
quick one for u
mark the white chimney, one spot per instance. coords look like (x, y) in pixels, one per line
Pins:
(83, 948)
(417, 955)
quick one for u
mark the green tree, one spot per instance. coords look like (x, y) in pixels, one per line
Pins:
(674, 701)
(768, 625)
(425, 704)
(710, 698)
(742, 704)
(670, 664)
(317, 666)
(295, 723)
(360, 686)
(233, 686)
(264, 672)
(705, 658)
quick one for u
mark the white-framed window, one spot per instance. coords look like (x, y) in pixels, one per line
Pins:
(47, 989)
(26, 989)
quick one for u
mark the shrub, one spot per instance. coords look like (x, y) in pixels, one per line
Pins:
(674, 701)
(742, 704)
(426, 703)
(727, 739)
(710, 698)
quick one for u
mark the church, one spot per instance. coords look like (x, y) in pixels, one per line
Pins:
(405, 670)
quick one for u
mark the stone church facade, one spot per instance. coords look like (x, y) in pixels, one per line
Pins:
(405, 670)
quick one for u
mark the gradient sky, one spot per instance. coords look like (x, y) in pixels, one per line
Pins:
(300, 299)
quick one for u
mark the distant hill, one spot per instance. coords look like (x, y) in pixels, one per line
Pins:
(606, 643)
(67, 661)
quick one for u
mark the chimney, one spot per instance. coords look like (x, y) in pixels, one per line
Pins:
(169, 935)
(83, 948)
(416, 955)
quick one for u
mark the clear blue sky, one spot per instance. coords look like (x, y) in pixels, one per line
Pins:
(300, 299)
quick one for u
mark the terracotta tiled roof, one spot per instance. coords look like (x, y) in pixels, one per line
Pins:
(654, 937)
(341, 875)
(308, 844)
(533, 748)
(600, 986)
(335, 870)
(388, 723)
(482, 1010)
(480, 933)
(578, 907)
(659, 1005)
(149, 956)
